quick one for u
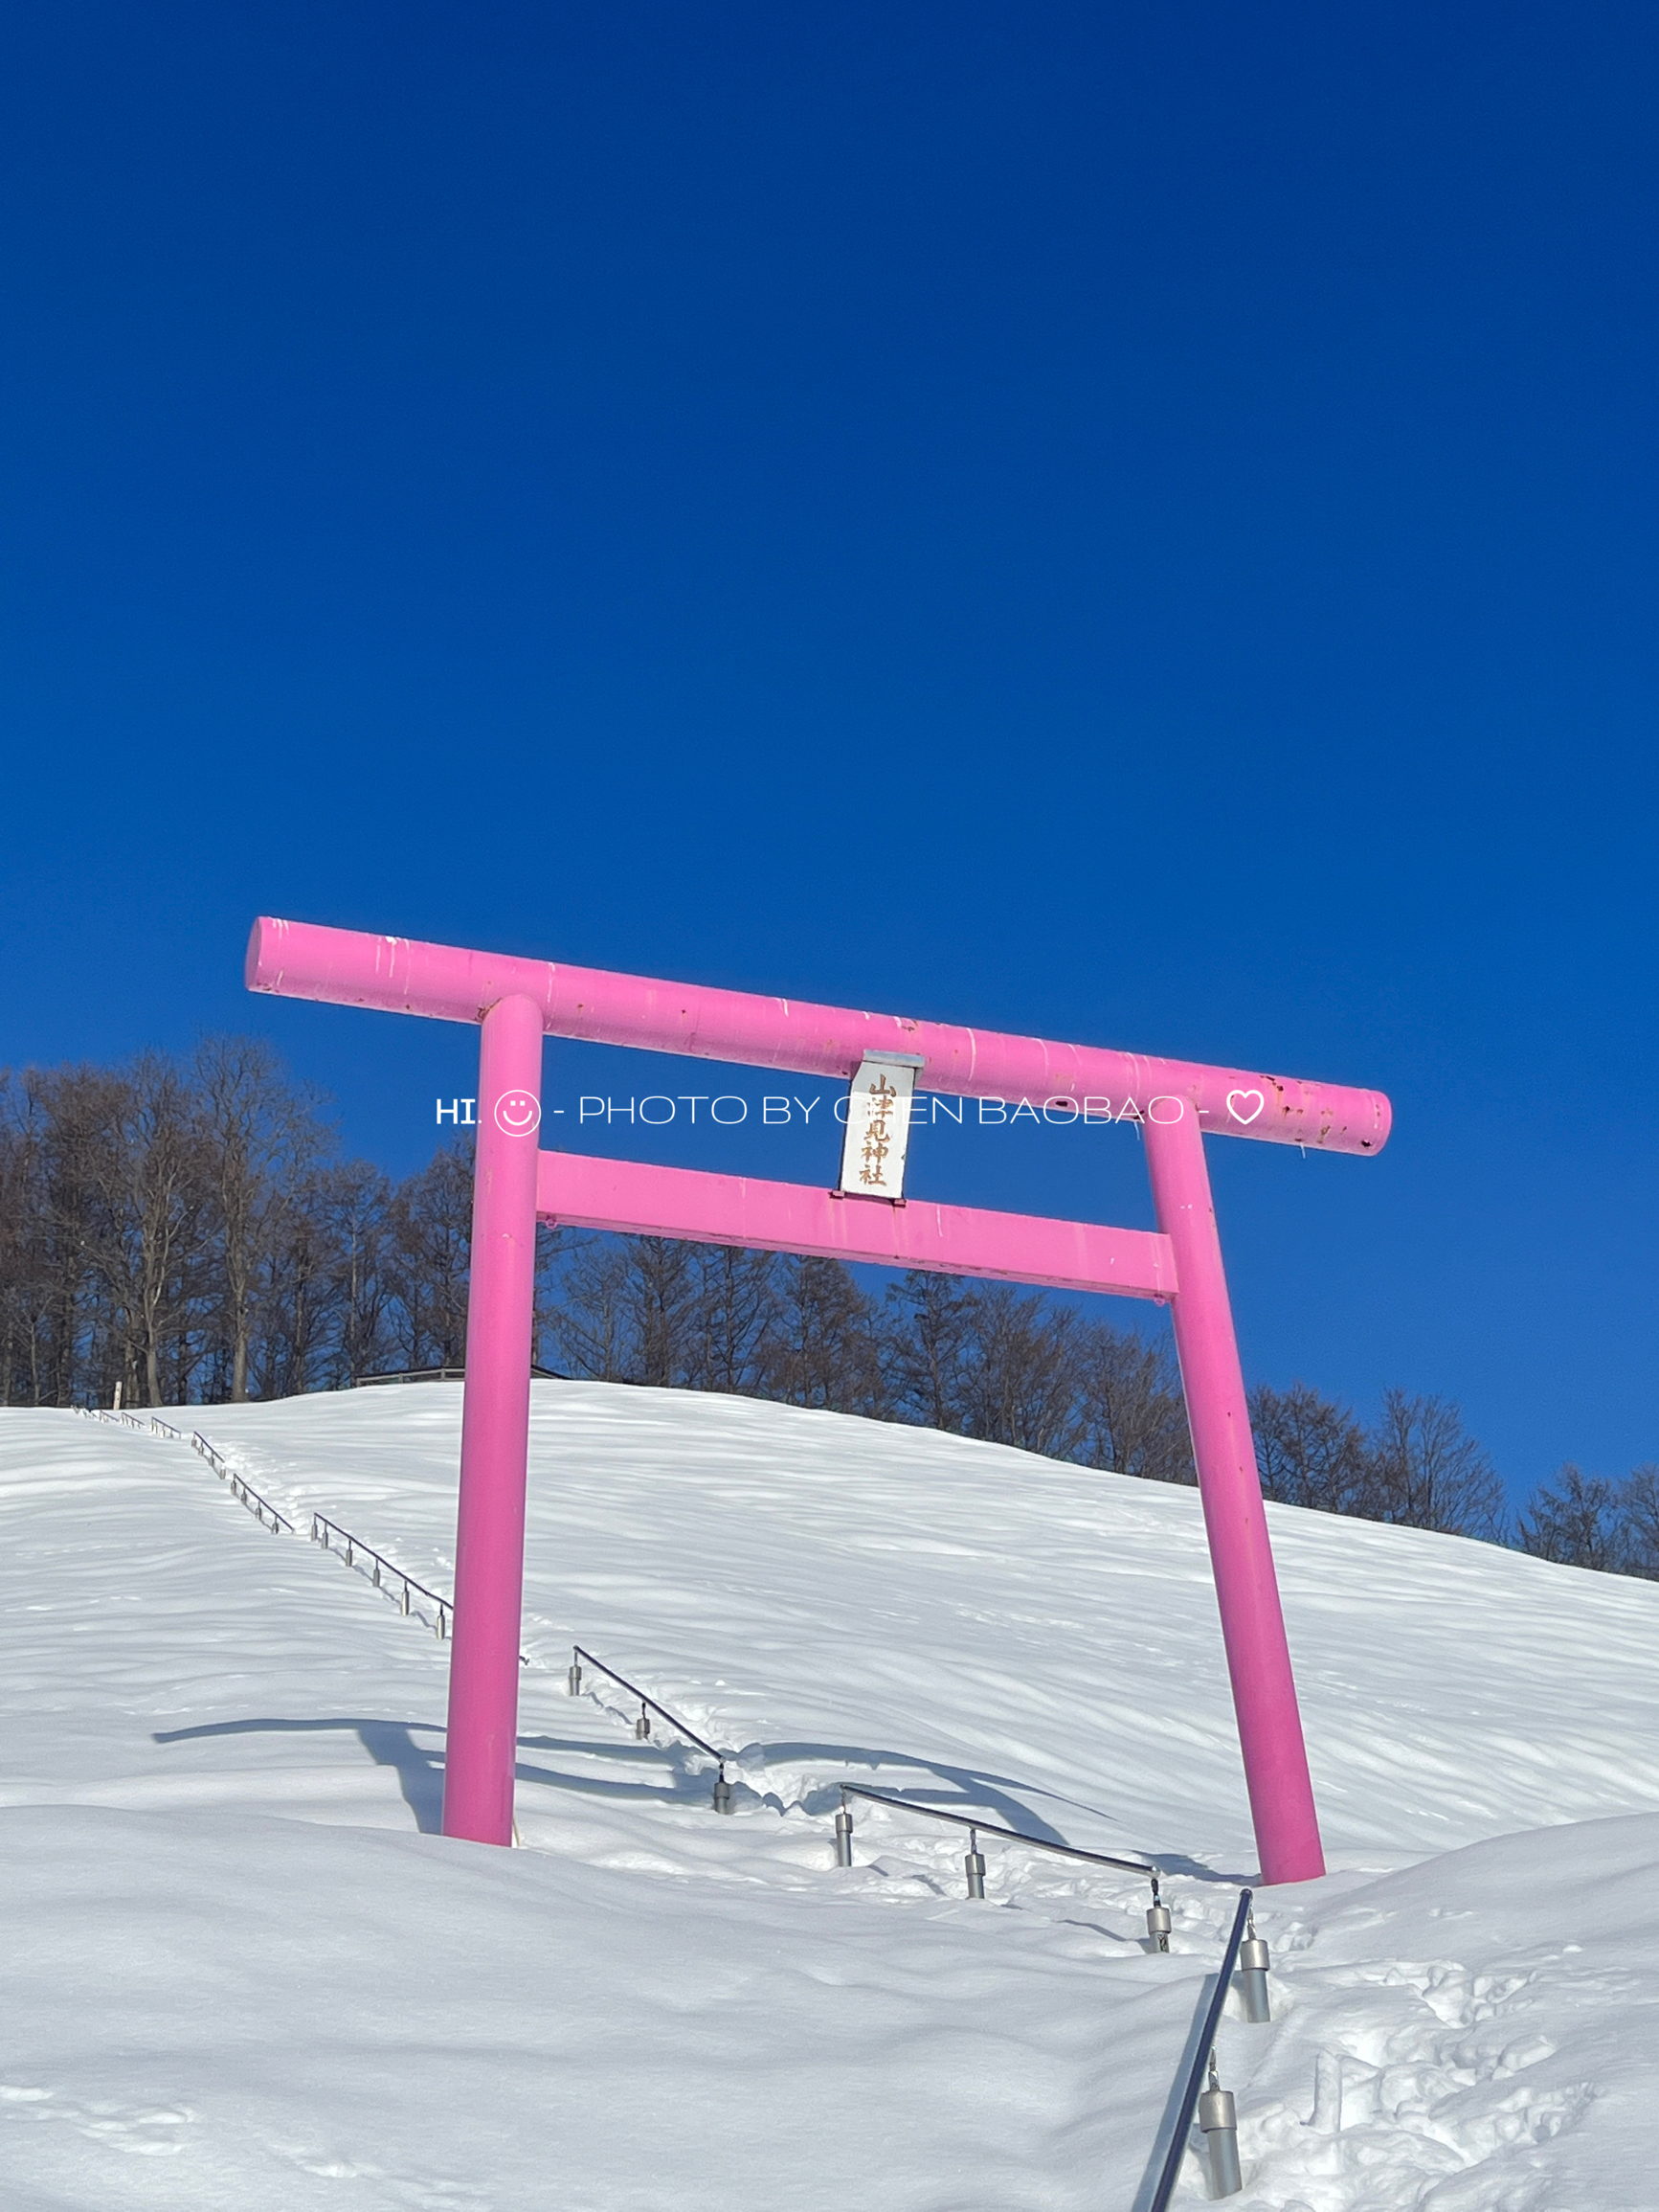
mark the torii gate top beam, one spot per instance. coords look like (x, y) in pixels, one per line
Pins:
(401, 974)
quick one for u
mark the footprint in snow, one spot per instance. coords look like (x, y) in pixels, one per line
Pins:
(149, 2131)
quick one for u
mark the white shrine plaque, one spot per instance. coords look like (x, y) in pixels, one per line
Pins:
(879, 1125)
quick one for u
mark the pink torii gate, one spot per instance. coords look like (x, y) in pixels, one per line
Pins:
(516, 1003)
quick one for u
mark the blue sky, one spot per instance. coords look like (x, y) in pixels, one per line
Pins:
(1132, 525)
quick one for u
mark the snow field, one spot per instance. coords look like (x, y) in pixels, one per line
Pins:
(652, 2006)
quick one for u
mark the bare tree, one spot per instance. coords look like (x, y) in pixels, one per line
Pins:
(736, 1308)
(590, 1323)
(663, 1292)
(1576, 1520)
(430, 1252)
(630, 1310)
(1310, 1449)
(1133, 1414)
(1022, 1373)
(822, 1350)
(927, 1351)
(355, 1201)
(1425, 1471)
(74, 1114)
(1638, 1507)
(183, 1232)
(261, 1136)
(300, 1289)
(155, 1227)
(23, 1269)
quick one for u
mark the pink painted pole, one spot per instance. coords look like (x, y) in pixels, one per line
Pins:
(1247, 1588)
(349, 969)
(637, 1200)
(489, 1557)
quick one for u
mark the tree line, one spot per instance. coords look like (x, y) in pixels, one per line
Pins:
(185, 1231)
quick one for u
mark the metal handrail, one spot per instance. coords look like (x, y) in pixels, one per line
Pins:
(128, 1420)
(320, 1522)
(322, 1526)
(355, 1545)
(1207, 2044)
(651, 1705)
(1153, 1873)
(241, 1487)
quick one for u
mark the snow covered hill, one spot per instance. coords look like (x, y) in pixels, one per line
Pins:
(241, 1968)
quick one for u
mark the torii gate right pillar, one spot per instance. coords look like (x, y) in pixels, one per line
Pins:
(1246, 1589)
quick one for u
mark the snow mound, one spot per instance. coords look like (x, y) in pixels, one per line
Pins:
(243, 1969)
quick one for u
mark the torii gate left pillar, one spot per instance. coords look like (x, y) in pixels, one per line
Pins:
(490, 1544)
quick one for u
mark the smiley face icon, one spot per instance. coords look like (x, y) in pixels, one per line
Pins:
(518, 1114)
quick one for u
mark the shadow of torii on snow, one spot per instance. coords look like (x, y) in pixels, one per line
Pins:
(669, 1772)
(961, 1790)
(420, 1771)
(388, 1743)
(965, 1791)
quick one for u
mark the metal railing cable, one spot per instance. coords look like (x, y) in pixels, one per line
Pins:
(241, 1487)
(385, 1571)
(1204, 2056)
(648, 1705)
(149, 1425)
(980, 1827)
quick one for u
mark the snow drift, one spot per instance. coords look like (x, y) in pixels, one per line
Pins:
(241, 1967)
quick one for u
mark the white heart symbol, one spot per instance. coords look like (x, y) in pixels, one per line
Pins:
(1252, 1099)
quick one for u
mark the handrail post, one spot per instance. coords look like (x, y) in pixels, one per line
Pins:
(1253, 1964)
(724, 1797)
(973, 1865)
(1158, 1923)
(1219, 2121)
(843, 1836)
